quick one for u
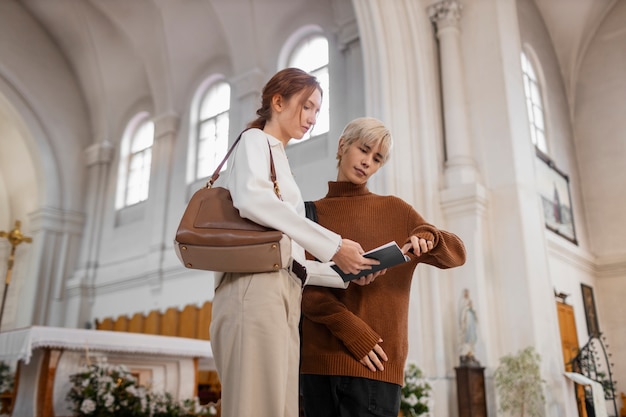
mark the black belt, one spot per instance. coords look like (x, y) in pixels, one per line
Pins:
(299, 270)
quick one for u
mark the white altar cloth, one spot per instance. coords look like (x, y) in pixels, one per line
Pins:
(50, 355)
(19, 344)
(597, 391)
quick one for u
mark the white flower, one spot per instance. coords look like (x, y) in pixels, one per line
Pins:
(109, 399)
(411, 400)
(132, 390)
(88, 406)
(415, 398)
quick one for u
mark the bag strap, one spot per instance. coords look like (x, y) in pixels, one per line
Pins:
(311, 211)
(216, 174)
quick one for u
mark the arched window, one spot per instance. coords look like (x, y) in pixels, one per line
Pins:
(311, 55)
(135, 161)
(211, 139)
(534, 105)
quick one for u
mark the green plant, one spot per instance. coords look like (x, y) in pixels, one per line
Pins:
(519, 384)
(415, 399)
(104, 390)
(607, 384)
(7, 378)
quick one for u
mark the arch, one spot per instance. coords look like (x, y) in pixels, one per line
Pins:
(294, 39)
(49, 106)
(28, 137)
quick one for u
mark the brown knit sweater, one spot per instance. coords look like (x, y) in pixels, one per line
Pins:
(340, 327)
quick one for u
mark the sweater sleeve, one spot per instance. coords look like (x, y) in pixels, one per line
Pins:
(448, 249)
(320, 305)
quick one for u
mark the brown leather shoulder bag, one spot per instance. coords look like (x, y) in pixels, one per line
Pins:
(213, 236)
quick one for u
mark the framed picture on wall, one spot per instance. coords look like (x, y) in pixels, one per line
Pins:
(591, 315)
(556, 200)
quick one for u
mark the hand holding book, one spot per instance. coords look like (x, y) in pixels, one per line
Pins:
(388, 255)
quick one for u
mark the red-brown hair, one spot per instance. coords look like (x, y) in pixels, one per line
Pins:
(287, 83)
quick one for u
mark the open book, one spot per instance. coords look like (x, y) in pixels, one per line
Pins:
(388, 254)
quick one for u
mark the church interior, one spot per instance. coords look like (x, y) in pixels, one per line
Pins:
(508, 125)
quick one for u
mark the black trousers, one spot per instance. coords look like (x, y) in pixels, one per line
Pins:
(345, 396)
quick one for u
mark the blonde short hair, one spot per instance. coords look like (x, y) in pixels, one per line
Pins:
(368, 131)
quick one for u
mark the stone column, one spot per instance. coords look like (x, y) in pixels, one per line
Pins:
(165, 132)
(246, 89)
(460, 166)
(98, 158)
(56, 238)
(464, 199)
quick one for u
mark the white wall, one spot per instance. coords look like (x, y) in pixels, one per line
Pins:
(599, 126)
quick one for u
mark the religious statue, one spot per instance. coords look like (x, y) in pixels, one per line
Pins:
(468, 332)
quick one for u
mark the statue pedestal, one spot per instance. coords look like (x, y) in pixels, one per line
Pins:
(470, 387)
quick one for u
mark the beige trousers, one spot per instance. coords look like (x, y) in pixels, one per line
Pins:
(256, 344)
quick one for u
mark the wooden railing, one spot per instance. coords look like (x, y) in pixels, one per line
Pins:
(192, 322)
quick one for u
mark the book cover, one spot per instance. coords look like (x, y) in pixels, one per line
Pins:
(388, 254)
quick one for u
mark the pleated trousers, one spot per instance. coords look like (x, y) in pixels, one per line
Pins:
(256, 343)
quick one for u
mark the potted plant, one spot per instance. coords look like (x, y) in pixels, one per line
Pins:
(7, 379)
(415, 400)
(519, 385)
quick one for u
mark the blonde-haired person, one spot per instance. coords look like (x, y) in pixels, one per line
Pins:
(255, 317)
(355, 341)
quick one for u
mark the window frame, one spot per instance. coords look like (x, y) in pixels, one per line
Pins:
(198, 121)
(299, 40)
(128, 156)
(535, 103)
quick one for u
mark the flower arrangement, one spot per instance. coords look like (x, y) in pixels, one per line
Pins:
(415, 400)
(104, 390)
(7, 378)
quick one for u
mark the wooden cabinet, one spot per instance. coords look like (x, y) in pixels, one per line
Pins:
(470, 386)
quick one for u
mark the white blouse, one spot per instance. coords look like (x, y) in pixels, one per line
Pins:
(252, 191)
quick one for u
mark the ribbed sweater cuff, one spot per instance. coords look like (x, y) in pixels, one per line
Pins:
(361, 346)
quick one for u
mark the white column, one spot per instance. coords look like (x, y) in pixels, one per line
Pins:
(246, 89)
(464, 208)
(165, 132)
(401, 88)
(56, 243)
(460, 165)
(98, 158)
(464, 199)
